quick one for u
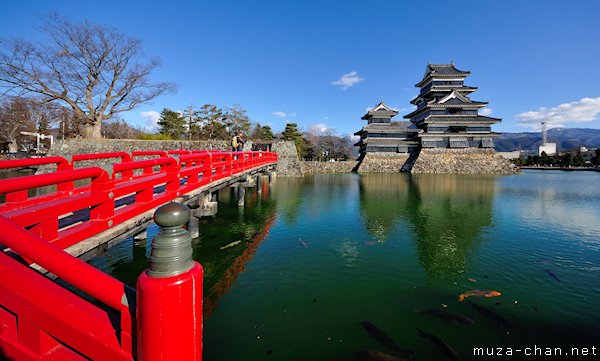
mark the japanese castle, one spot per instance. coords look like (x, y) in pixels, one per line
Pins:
(445, 117)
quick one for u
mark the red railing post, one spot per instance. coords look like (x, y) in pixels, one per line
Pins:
(169, 293)
(102, 188)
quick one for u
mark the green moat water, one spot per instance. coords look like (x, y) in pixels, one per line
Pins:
(319, 254)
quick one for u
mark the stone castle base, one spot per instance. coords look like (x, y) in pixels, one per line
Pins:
(463, 161)
(382, 162)
(313, 167)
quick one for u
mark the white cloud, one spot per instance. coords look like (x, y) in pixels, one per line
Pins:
(150, 120)
(348, 80)
(280, 114)
(486, 112)
(325, 118)
(584, 110)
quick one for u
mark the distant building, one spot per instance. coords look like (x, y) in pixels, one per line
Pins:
(548, 148)
(586, 153)
(382, 135)
(446, 115)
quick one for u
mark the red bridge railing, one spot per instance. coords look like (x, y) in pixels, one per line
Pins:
(41, 320)
(72, 214)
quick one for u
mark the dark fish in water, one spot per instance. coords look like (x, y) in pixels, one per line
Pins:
(489, 314)
(447, 350)
(384, 338)
(380, 335)
(552, 274)
(302, 243)
(371, 355)
(448, 316)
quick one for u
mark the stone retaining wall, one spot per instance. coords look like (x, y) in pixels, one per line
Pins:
(310, 167)
(288, 164)
(464, 161)
(382, 163)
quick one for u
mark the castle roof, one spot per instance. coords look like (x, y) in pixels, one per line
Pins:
(442, 71)
(393, 127)
(380, 110)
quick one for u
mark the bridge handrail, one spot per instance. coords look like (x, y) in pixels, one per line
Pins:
(74, 271)
(147, 165)
(221, 164)
(61, 163)
(54, 216)
(140, 153)
(179, 151)
(189, 167)
(16, 188)
(125, 157)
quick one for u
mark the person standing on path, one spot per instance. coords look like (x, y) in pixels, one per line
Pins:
(237, 143)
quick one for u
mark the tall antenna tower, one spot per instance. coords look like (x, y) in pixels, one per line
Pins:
(544, 134)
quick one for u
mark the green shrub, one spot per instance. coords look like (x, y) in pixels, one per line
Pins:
(149, 136)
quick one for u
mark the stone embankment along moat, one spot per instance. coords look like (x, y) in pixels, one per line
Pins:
(464, 161)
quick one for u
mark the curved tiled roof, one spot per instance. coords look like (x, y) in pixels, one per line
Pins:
(442, 71)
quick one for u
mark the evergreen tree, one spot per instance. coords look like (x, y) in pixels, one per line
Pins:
(578, 160)
(596, 159)
(566, 160)
(267, 132)
(544, 158)
(210, 122)
(291, 133)
(263, 132)
(171, 123)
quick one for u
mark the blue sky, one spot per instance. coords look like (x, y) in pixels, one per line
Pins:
(286, 60)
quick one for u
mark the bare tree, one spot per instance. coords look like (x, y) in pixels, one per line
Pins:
(119, 129)
(15, 117)
(94, 69)
(236, 120)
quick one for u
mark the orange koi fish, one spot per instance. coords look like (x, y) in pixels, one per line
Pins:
(480, 293)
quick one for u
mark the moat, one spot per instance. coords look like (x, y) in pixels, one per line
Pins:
(319, 254)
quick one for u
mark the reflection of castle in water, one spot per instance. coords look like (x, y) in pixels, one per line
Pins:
(384, 200)
(446, 212)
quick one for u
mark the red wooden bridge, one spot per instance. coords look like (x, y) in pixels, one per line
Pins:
(94, 317)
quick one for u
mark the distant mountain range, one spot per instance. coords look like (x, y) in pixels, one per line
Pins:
(565, 139)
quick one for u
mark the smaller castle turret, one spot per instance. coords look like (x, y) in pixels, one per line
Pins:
(383, 135)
